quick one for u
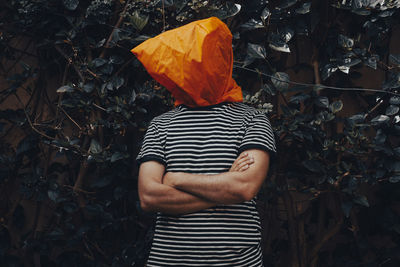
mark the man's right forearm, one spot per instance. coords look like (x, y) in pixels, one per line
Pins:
(166, 199)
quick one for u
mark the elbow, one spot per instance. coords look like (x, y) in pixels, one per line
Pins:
(246, 192)
(146, 204)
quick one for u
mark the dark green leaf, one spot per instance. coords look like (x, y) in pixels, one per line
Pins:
(362, 200)
(227, 10)
(345, 41)
(380, 137)
(286, 4)
(298, 98)
(117, 156)
(88, 87)
(64, 89)
(304, 9)
(98, 62)
(394, 59)
(372, 61)
(252, 24)
(336, 106)
(322, 102)
(380, 119)
(394, 179)
(256, 51)
(358, 118)
(107, 69)
(117, 82)
(280, 80)
(269, 89)
(139, 21)
(115, 59)
(95, 147)
(392, 110)
(53, 194)
(265, 14)
(71, 4)
(394, 100)
(277, 43)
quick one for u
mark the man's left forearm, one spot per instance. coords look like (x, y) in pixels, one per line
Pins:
(227, 187)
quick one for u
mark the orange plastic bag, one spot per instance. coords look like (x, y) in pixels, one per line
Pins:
(194, 62)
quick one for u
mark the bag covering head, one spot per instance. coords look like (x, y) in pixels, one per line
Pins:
(194, 62)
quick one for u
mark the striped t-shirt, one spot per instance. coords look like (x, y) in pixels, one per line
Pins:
(207, 140)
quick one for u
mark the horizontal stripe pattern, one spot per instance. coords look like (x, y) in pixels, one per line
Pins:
(207, 141)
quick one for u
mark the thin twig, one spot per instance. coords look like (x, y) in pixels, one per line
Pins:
(70, 60)
(80, 128)
(97, 106)
(30, 122)
(121, 17)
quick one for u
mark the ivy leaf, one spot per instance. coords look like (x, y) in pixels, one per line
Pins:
(336, 106)
(265, 14)
(392, 110)
(394, 59)
(394, 179)
(322, 102)
(117, 156)
(372, 61)
(138, 20)
(362, 200)
(304, 9)
(98, 62)
(278, 44)
(345, 41)
(117, 82)
(71, 4)
(64, 89)
(115, 59)
(252, 24)
(227, 10)
(380, 119)
(256, 51)
(394, 100)
(95, 147)
(88, 87)
(286, 4)
(280, 80)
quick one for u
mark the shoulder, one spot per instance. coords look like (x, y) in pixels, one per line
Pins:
(165, 118)
(247, 111)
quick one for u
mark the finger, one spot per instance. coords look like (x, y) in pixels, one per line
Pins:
(243, 168)
(242, 159)
(248, 161)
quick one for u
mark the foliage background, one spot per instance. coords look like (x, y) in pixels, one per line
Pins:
(75, 104)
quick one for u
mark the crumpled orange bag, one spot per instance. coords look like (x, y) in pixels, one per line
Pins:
(194, 62)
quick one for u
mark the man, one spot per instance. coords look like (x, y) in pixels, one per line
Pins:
(202, 163)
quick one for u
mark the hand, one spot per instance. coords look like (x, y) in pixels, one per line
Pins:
(242, 163)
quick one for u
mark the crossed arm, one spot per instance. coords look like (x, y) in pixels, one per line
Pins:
(181, 193)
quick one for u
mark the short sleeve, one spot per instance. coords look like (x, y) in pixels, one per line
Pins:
(259, 135)
(152, 148)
